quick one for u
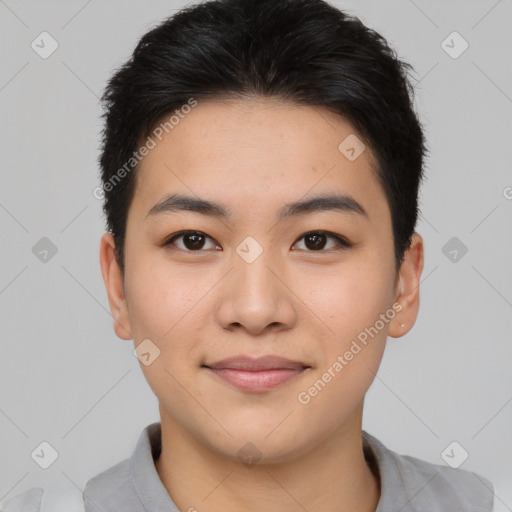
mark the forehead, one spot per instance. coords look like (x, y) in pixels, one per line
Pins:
(251, 153)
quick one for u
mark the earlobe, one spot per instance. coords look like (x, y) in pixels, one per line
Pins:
(408, 289)
(113, 279)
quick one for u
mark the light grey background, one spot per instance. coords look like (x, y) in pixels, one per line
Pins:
(65, 378)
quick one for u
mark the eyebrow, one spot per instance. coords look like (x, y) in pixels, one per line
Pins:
(326, 202)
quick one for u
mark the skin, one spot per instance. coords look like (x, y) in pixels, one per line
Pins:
(253, 156)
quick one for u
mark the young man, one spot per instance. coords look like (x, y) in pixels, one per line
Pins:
(261, 163)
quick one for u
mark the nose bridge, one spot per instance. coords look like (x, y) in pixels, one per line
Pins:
(255, 278)
(257, 297)
(252, 262)
(256, 285)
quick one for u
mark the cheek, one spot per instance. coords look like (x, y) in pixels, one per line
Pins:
(162, 299)
(166, 308)
(348, 299)
(351, 305)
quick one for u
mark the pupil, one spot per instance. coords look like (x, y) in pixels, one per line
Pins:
(318, 241)
(197, 243)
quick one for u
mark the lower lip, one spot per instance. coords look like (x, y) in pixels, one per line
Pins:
(256, 381)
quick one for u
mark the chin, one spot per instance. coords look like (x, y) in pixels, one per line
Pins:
(256, 447)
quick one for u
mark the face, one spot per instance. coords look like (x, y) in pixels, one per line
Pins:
(248, 275)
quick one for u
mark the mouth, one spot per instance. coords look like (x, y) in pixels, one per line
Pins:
(256, 375)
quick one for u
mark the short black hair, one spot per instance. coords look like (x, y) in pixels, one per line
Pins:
(302, 51)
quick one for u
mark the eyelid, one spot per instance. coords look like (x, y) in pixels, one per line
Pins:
(170, 239)
(343, 243)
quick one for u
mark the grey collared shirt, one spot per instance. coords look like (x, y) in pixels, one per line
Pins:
(408, 484)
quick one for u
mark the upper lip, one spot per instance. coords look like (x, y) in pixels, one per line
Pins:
(258, 363)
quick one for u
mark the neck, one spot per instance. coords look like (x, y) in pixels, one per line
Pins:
(333, 476)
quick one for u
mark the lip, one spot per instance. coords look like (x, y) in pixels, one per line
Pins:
(256, 375)
(256, 364)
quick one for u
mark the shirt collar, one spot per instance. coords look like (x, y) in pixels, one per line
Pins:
(145, 478)
(154, 495)
(379, 459)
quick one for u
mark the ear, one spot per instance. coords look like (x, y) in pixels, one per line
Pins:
(407, 291)
(113, 280)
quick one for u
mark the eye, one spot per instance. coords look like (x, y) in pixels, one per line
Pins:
(316, 241)
(193, 241)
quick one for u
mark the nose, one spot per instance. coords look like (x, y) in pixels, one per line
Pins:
(256, 297)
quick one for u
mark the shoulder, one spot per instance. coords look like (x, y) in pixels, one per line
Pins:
(108, 486)
(448, 486)
(420, 486)
(112, 478)
(37, 499)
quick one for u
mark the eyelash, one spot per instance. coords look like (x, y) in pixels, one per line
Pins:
(343, 242)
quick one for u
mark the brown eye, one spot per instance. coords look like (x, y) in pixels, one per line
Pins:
(192, 241)
(317, 241)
